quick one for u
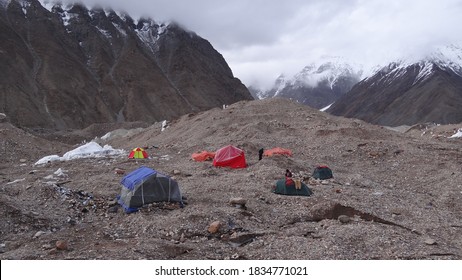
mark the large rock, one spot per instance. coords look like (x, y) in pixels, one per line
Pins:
(214, 227)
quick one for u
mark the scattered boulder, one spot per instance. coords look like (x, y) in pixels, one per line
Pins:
(47, 247)
(344, 219)
(112, 202)
(62, 245)
(241, 239)
(39, 233)
(238, 202)
(314, 182)
(376, 154)
(225, 237)
(119, 171)
(214, 227)
(430, 241)
(113, 209)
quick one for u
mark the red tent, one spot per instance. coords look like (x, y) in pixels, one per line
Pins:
(277, 151)
(230, 156)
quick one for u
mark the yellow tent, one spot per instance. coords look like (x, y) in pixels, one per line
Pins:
(138, 153)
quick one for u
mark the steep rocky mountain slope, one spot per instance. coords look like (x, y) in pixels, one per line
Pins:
(68, 67)
(394, 195)
(407, 93)
(316, 85)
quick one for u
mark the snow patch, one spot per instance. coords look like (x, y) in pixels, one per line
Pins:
(448, 57)
(89, 150)
(48, 159)
(458, 134)
(66, 17)
(280, 83)
(325, 108)
(150, 33)
(60, 172)
(106, 33)
(108, 11)
(4, 3)
(120, 29)
(391, 72)
(48, 4)
(121, 15)
(15, 181)
(106, 136)
(426, 69)
(164, 125)
(24, 6)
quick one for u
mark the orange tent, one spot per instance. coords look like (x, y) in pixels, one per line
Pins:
(203, 156)
(138, 153)
(277, 151)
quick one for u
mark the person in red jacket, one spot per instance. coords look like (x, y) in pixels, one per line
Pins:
(289, 180)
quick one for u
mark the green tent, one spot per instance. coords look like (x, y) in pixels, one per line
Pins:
(322, 172)
(280, 187)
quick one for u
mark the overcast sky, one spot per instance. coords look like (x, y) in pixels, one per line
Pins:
(262, 39)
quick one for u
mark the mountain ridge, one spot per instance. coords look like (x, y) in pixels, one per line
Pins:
(406, 93)
(73, 67)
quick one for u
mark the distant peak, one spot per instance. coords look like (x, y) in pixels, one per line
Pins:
(447, 58)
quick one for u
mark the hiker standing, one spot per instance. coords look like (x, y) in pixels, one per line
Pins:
(260, 153)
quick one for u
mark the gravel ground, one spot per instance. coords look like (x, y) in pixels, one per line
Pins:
(394, 195)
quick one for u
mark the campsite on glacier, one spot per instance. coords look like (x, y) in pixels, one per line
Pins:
(394, 195)
(112, 132)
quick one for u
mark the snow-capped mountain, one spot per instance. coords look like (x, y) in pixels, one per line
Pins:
(448, 58)
(409, 91)
(316, 85)
(67, 66)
